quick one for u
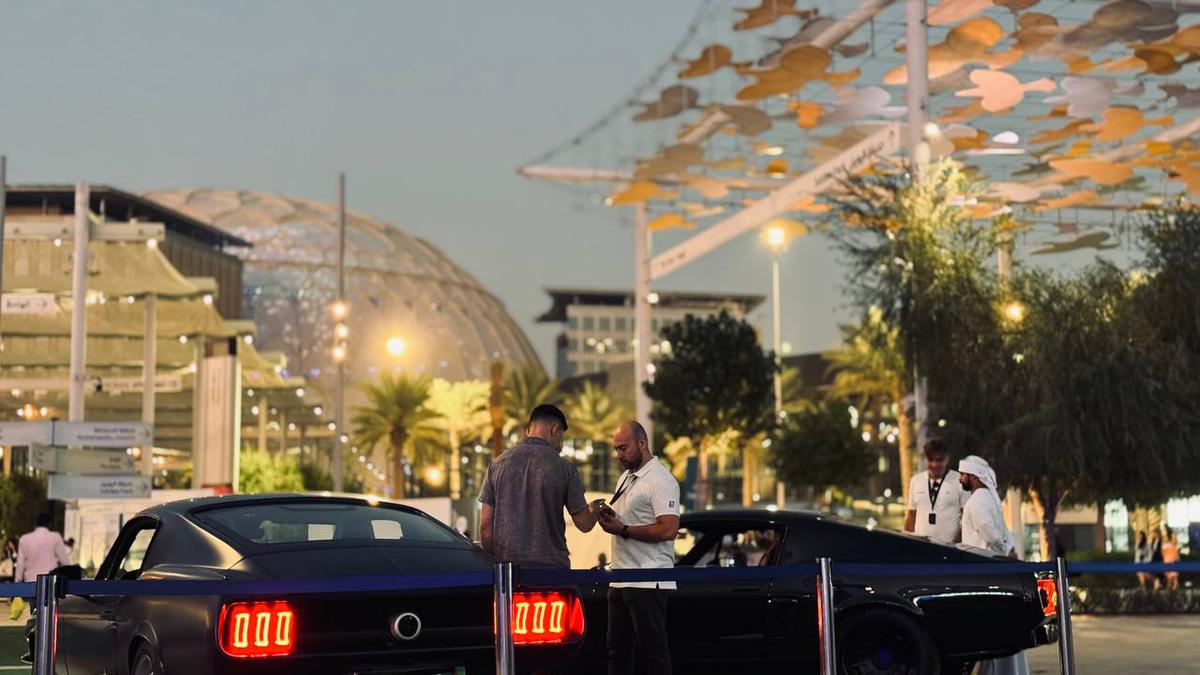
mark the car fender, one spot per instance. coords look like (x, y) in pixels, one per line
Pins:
(143, 633)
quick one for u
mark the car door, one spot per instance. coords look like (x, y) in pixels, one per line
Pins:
(88, 625)
(792, 609)
(721, 623)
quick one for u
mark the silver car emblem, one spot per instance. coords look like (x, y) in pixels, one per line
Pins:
(407, 626)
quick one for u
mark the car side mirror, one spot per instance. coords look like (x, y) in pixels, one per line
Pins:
(68, 572)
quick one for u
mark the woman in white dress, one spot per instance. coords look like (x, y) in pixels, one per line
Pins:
(983, 527)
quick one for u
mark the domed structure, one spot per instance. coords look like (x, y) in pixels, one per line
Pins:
(411, 308)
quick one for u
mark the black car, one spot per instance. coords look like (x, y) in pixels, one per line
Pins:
(446, 630)
(885, 623)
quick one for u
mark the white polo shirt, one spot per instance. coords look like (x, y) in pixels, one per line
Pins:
(947, 508)
(645, 495)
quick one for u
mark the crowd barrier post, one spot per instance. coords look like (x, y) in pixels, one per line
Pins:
(46, 637)
(1066, 639)
(505, 658)
(825, 617)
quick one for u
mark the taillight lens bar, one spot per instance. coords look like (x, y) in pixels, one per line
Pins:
(1048, 593)
(546, 618)
(254, 629)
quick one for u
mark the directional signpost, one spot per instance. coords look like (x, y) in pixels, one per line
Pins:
(84, 459)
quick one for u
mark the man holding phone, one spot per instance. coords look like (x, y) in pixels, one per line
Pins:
(643, 517)
(935, 498)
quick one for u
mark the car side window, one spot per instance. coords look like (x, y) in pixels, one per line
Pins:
(129, 554)
(729, 546)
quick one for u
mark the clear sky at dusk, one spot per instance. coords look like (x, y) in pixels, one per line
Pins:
(428, 107)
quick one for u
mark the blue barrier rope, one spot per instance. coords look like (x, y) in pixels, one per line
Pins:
(540, 577)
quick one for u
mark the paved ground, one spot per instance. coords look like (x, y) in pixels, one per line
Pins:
(1128, 645)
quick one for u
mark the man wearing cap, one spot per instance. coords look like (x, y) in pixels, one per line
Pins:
(936, 498)
(983, 527)
(524, 494)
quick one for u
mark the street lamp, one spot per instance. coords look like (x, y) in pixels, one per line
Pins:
(396, 346)
(1014, 311)
(776, 236)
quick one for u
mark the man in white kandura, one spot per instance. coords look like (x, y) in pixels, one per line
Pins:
(983, 527)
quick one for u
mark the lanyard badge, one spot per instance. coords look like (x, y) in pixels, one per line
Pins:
(934, 489)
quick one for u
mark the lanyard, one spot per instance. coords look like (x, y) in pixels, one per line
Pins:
(934, 489)
(630, 479)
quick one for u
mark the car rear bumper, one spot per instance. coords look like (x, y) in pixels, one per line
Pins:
(1046, 633)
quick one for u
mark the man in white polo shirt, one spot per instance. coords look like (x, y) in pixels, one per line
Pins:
(935, 498)
(643, 519)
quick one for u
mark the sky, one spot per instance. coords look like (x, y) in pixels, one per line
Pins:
(428, 107)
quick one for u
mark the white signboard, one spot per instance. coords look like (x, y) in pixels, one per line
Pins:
(163, 384)
(850, 161)
(63, 486)
(26, 433)
(103, 434)
(28, 303)
(63, 460)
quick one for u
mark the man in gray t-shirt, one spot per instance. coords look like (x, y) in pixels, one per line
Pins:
(524, 494)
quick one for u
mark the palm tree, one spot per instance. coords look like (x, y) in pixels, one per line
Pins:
(593, 414)
(396, 408)
(526, 388)
(869, 369)
(461, 411)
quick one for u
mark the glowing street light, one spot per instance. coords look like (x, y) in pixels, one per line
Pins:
(396, 346)
(339, 309)
(1014, 311)
(339, 353)
(776, 236)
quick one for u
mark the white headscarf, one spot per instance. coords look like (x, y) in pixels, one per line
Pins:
(978, 466)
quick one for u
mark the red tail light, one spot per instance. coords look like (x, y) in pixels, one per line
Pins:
(250, 629)
(547, 617)
(1048, 592)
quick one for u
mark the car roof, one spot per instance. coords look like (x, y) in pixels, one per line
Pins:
(187, 506)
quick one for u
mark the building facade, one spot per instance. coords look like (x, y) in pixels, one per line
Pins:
(598, 326)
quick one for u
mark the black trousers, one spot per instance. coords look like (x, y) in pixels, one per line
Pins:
(637, 632)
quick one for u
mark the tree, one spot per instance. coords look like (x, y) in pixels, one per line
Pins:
(818, 447)
(260, 471)
(592, 413)
(869, 369)
(524, 389)
(461, 412)
(22, 498)
(714, 378)
(396, 408)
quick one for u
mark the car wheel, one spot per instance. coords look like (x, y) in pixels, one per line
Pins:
(146, 662)
(885, 642)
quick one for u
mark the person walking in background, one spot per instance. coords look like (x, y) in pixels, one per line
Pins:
(936, 498)
(983, 527)
(643, 518)
(524, 494)
(1156, 556)
(1142, 553)
(1170, 556)
(38, 553)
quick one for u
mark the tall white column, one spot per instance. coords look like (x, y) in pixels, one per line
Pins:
(641, 316)
(199, 463)
(79, 305)
(917, 60)
(149, 371)
(339, 396)
(776, 335)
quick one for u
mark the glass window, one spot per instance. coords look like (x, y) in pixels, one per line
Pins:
(589, 323)
(727, 547)
(620, 320)
(304, 521)
(605, 324)
(132, 561)
(654, 325)
(573, 323)
(572, 345)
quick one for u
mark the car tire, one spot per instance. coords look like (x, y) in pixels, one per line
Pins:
(146, 661)
(885, 642)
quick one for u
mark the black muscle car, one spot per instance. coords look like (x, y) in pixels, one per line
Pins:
(922, 623)
(272, 537)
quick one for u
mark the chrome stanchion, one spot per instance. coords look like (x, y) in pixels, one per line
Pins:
(46, 636)
(825, 617)
(1066, 639)
(505, 658)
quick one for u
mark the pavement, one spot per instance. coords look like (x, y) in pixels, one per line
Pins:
(1128, 645)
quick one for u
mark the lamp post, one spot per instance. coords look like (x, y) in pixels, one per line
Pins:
(776, 236)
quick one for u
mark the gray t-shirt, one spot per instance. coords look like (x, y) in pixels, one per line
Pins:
(528, 486)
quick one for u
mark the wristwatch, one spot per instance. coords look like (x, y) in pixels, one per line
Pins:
(625, 532)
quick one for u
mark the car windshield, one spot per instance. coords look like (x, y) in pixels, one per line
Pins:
(306, 521)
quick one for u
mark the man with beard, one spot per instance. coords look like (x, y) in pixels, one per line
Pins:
(643, 517)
